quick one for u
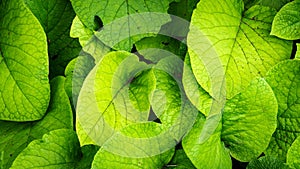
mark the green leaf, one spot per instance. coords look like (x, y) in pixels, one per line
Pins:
(126, 18)
(78, 30)
(267, 162)
(270, 3)
(59, 113)
(78, 69)
(96, 48)
(284, 79)
(107, 159)
(132, 28)
(94, 102)
(108, 11)
(229, 46)
(16, 136)
(181, 13)
(87, 96)
(156, 48)
(244, 139)
(119, 104)
(249, 120)
(173, 114)
(56, 18)
(297, 55)
(24, 87)
(286, 24)
(81, 78)
(140, 91)
(196, 94)
(169, 101)
(293, 156)
(203, 101)
(75, 72)
(180, 161)
(88, 153)
(183, 8)
(210, 154)
(58, 149)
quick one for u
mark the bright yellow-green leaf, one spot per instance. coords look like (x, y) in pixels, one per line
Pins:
(229, 46)
(24, 87)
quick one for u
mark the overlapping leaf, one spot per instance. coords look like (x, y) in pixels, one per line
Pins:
(284, 79)
(212, 153)
(130, 20)
(196, 94)
(249, 120)
(110, 10)
(137, 154)
(87, 157)
(16, 136)
(124, 90)
(56, 17)
(78, 30)
(237, 131)
(180, 161)
(58, 149)
(156, 48)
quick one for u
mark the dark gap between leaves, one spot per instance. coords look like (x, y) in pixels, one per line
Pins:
(141, 57)
(294, 49)
(152, 116)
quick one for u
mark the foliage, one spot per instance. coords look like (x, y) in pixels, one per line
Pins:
(149, 84)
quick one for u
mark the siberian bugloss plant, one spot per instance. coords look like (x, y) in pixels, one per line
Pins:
(209, 84)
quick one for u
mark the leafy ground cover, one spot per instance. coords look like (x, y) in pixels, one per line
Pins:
(150, 84)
